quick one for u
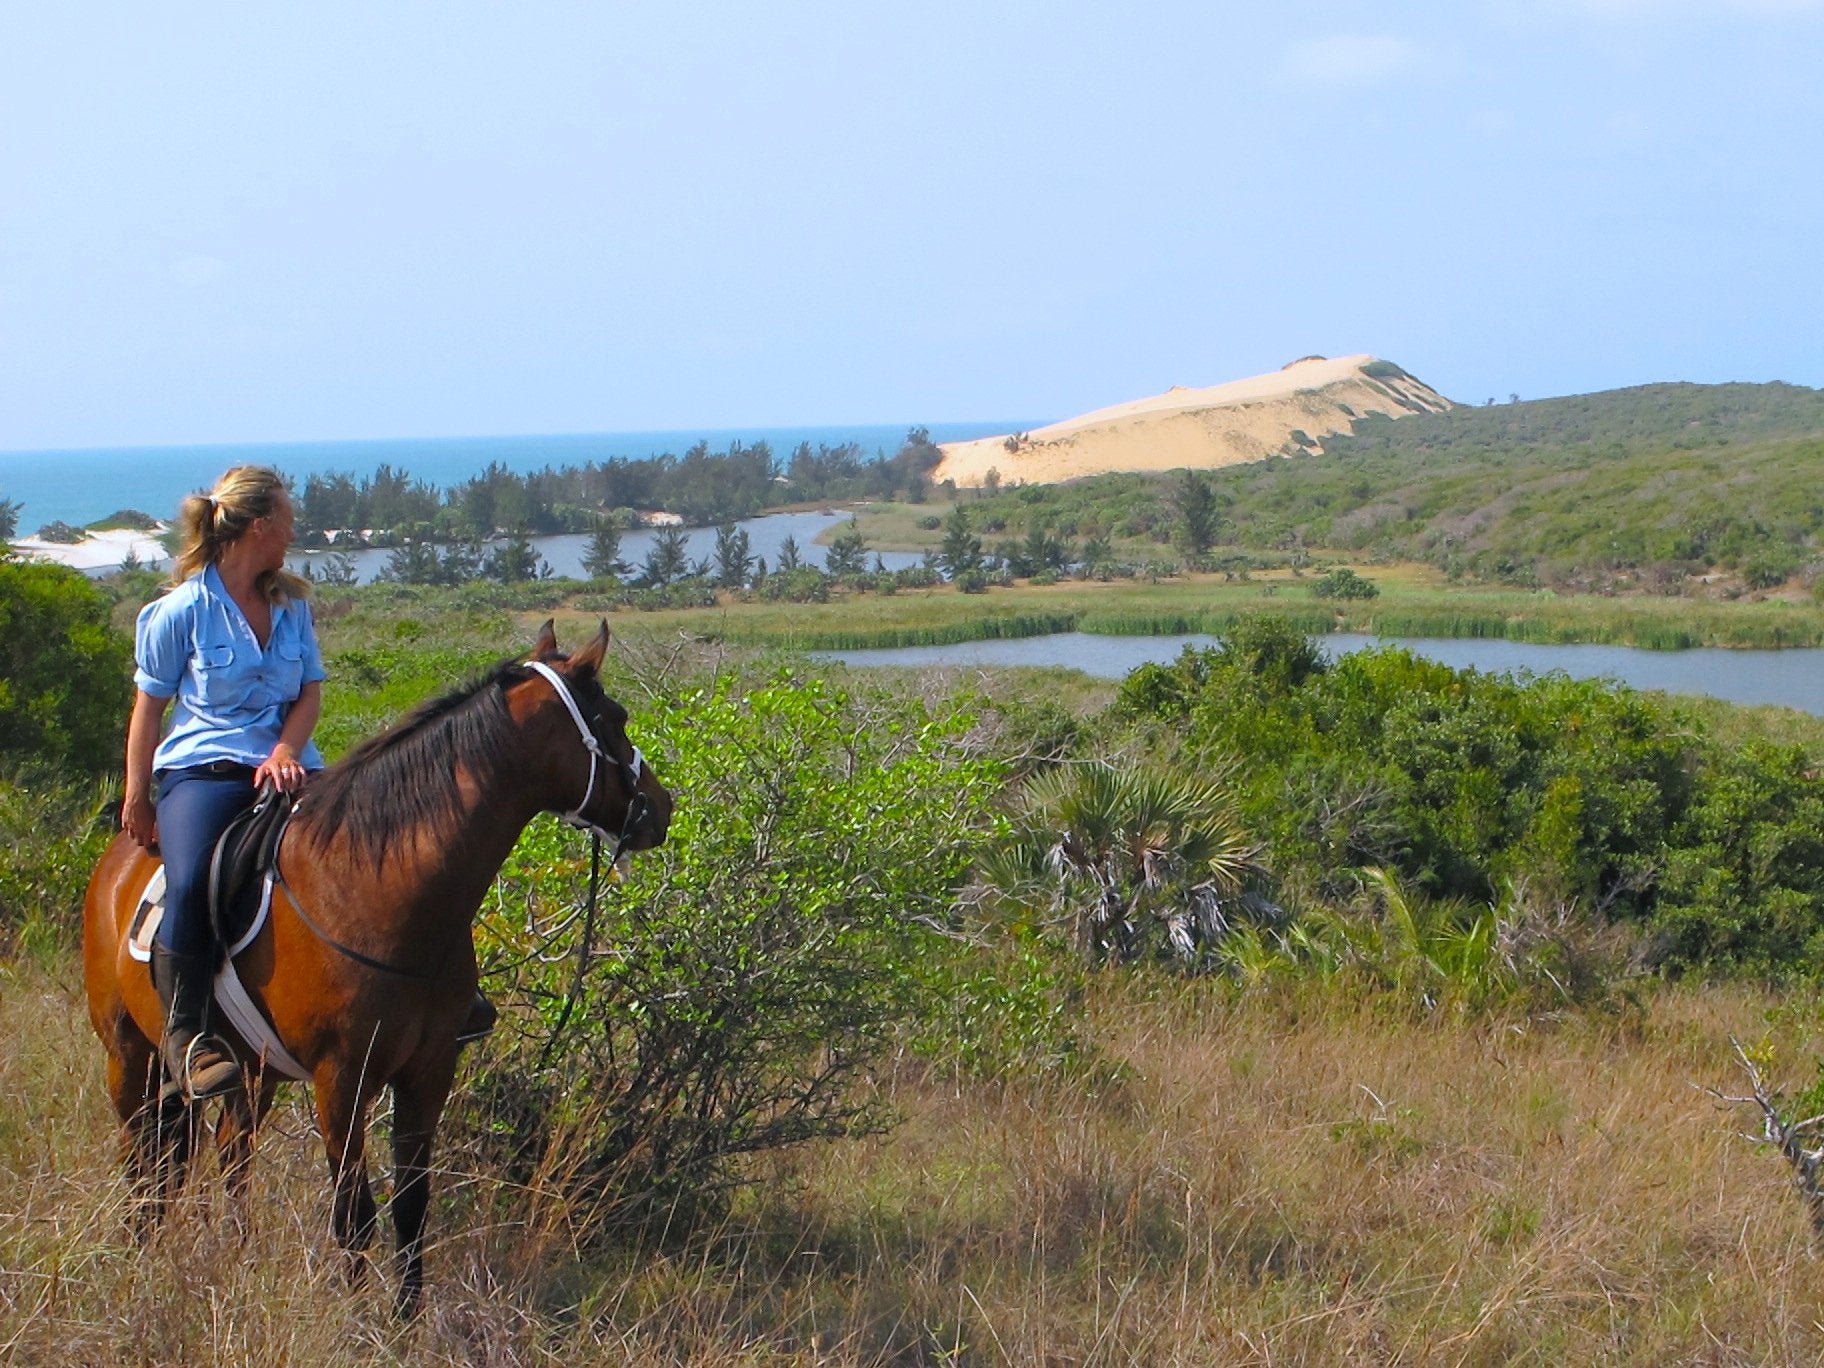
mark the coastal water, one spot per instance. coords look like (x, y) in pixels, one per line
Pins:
(564, 553)
(1789, 678)
(81, 486)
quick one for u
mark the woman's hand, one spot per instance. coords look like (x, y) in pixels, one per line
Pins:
(283, 768)
(139, 819)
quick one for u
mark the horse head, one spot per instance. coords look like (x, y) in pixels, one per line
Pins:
(614, 791)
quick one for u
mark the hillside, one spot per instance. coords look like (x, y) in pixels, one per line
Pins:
(1652, 487)
(1290, 409)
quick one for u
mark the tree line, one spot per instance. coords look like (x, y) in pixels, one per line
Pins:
(703, 487)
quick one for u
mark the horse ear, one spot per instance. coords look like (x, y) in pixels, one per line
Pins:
(547, 639)
(589, 660)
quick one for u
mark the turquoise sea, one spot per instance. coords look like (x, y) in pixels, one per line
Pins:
(81, 486)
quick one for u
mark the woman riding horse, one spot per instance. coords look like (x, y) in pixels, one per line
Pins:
(233, 643)
(365, 967)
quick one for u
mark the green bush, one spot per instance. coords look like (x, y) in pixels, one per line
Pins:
(65, 672)
(1464, 784)
(741, 987)
(52, 832)
(1344, 583)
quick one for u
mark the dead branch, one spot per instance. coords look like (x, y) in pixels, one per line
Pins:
(1786, 1136)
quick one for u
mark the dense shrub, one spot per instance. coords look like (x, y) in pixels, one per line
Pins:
(1466, 784)
(1344, 583)
(51, 835)
(65, 672)
(738, 991)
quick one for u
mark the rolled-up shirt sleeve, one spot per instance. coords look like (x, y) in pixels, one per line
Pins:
(161, 646)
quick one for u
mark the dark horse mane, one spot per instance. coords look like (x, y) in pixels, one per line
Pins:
(406, 777)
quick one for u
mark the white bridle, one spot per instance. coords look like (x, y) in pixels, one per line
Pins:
(630, 772)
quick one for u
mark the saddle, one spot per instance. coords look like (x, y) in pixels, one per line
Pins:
(242, 871)
(244, 854)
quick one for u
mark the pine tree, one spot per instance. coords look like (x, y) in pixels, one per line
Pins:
(734, 556)
(602, 558)
(668, 560)
(515, 560)
(412, 562)
(961, 551)
(1199, 509)
(847, 558)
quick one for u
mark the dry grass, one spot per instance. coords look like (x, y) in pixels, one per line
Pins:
(1291, 1179)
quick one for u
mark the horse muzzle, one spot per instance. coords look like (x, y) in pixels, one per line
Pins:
(650, 821)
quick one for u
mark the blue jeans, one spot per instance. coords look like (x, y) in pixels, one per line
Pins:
(194, 808)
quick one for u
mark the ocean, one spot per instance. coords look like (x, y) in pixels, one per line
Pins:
(82, 486)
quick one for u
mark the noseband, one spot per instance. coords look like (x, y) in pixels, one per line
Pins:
(630, 771)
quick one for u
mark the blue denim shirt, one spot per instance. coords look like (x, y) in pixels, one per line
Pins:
(196, 645)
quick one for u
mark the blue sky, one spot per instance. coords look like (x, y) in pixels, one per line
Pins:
(255, 221)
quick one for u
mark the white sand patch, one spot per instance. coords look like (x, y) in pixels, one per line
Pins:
(98, 550)
(1219, 425)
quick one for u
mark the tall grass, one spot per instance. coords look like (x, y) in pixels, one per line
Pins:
(1249, 1178)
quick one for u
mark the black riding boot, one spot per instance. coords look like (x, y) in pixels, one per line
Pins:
(480, 1020)
(199, 1064)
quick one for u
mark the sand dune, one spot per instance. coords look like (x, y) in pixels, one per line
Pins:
(1243, 420)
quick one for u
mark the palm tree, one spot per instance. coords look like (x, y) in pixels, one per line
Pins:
(1131, 855)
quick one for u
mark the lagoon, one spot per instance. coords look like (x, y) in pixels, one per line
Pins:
(564, 553)
(1789, 678)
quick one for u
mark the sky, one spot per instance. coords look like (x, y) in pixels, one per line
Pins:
(270, 222)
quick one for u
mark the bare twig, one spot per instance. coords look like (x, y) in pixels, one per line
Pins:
(1786, 1136)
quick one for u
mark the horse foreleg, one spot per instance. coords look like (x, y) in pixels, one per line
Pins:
(342, 1122)
(417, 1105)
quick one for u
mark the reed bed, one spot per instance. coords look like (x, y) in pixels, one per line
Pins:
(1407, 607)
(1283, 1177)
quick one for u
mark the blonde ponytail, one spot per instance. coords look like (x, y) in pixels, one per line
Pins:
(207, 524)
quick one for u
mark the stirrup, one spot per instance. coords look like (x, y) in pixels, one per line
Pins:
(479, 1024)
(215, 1082)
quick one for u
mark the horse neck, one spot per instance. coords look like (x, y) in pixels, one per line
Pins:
(493, 816)
(433, 882)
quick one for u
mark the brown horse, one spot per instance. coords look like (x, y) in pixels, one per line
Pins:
(367, 968)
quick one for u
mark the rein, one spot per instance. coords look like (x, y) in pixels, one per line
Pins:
(636, 810)
(278, 880)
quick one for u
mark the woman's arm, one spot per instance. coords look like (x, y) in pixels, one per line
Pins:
(137, 816)
(283, 766)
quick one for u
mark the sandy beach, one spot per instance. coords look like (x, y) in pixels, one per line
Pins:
(98, 551)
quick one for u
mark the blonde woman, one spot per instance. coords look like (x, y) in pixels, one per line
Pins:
(232, 653)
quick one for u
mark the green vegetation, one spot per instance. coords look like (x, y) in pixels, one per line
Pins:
(1261, 1006)
(1585, 794)
(1643, 489)
(1344, 583)
(703, 487)
(1405, 605)
(64, 671)
(758, 966)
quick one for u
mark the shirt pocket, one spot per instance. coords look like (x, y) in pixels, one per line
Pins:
(218, 683)
(288, 668)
